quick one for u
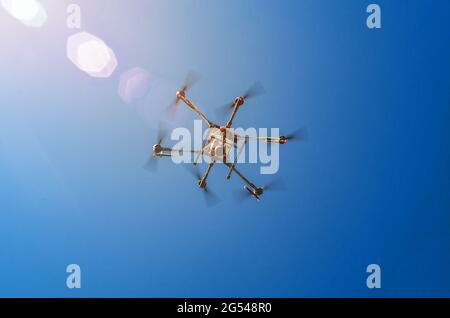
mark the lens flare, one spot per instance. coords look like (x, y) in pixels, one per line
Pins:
(30, 12)
(94, 56)
(91, 55)
(134, 85)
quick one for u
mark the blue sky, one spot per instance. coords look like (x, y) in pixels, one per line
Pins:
(369, 186)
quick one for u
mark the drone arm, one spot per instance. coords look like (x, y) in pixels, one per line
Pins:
(196, 110)
(237, 158)
(278, 140)
(201, 152)
(208, 170)
(168, 152)
(236, 106)
(202, 181)
(186, 150)
(162, 155)
(250, 184)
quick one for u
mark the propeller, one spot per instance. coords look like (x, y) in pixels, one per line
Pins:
(163, 132)
(210, 197)
(297, 135)
(241, 196)
(190, 80)
(152, 161)
(194, 170)
(255, 90)
(151, 164)
(275, 185)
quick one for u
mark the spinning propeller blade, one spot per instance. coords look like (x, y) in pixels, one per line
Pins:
(255, 90)
(210, 197)
(190, 80)
(299, 134)
(275, 185)
(152, 162)
(194, 170)
(241, 195)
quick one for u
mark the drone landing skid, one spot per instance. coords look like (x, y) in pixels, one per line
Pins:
(253, 193)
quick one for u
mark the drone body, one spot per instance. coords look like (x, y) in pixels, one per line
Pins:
(217, 147)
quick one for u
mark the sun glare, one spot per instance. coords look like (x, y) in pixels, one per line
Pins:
(25, 10)
(29, 12)
(91, 55)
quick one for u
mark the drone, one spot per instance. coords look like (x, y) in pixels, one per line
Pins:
(221, 139)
